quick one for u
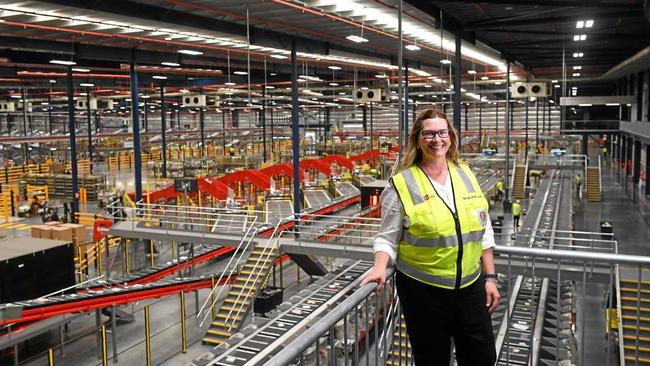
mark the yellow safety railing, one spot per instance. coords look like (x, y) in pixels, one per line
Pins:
(83, 167)
(42, 192)
(87, 218)
(15, 173)
(94, 253)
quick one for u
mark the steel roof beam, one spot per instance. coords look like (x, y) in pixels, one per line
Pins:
(535, 19)
(592, 4)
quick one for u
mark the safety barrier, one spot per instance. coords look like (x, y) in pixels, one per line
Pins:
(41, 192)
(11, 174)
(87, 218)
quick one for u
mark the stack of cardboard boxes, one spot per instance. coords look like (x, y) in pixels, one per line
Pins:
(75, 233)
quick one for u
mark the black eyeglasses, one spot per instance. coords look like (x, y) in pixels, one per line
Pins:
(431, 134)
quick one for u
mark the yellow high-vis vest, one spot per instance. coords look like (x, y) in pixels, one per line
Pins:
(437, 246)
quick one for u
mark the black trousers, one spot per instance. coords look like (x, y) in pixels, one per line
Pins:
(435, 315)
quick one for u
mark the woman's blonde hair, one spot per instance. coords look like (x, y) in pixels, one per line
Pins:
(413, 155)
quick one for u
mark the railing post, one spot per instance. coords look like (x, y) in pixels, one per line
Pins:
(183, 325)
(147, 336)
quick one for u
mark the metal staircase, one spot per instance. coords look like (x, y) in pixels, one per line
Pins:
(593, 183)
(519, 181)
(400, 353)
(635, 324)
(239, 300)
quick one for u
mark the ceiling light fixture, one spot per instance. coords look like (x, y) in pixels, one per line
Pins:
(412, 47)
(334, 84)
(190, 52)
(90, 85)
(240, 72)
(78, 69)
(577, 67)
(170, 64)
(159, 77)
(279, 57)
(484, 78)
(471, 71)
(576, 74)
(334, 67)
(63, 62)
(446, 62)
(580, 24)
(589, 23)
(356, 39)
(579, 37)
(229, 83)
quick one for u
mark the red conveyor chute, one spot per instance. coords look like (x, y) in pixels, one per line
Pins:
(214, 187)
(259, 179)
(317, 164)
(368, 155)
(340, 160)
(282, 169)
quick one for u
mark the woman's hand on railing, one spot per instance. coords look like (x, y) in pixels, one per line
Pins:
(376, 274)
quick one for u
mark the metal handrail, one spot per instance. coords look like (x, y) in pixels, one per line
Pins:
(295, 348)
(291, 351)
(232, 268)
(266, 254)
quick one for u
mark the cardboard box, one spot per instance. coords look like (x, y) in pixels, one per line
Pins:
(46, 231)
(37, 231)
(62, 233)
(52, 223)
(80, 233)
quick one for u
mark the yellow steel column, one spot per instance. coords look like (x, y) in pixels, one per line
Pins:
(183, 329)
(147, 335)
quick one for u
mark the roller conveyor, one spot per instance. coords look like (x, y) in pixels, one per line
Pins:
(278, 210)
(317, 198)
(259, 344)
(346, 189)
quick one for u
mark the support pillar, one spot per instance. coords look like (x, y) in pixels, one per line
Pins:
(371, 126)
(163, 129)
(73, 147)
(507, 147)
(202, 127)
(295, 130)
(405, 106)
(89, 126)
(135, 114)
(647, 169)
(480, 124)
(536, 125)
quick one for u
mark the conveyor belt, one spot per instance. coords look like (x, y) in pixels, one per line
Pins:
(515, 349)
(317, 198)
(346, 189)
(37, 309)
(278, 210)
(520, 338)
(292, 317)
(365, 179)
(202, 253)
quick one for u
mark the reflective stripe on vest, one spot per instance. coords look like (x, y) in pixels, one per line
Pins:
(446, 241)
(443, 281)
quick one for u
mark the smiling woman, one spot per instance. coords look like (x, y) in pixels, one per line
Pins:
(436, 231)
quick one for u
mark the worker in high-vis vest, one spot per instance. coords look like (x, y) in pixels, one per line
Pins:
(436, 231)
(516, 214)
(500, 187)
